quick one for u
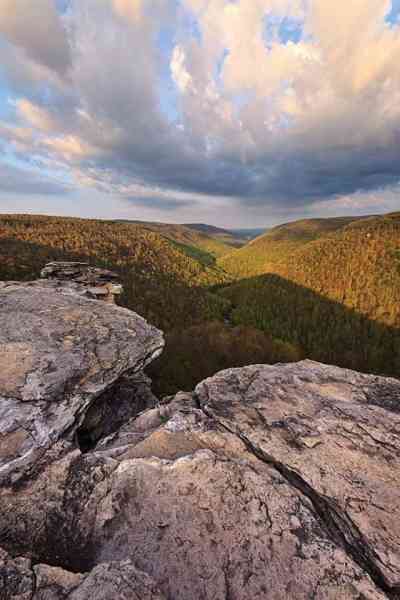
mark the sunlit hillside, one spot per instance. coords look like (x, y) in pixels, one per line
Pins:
(263, 253)
(337, 296)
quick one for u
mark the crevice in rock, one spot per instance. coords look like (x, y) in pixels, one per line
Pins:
(196, 400)
(34, 583)
(130, 395)
(340, 527)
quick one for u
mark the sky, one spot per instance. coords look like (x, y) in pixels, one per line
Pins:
(238, 113)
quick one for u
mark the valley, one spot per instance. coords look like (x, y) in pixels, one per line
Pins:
(326, 289)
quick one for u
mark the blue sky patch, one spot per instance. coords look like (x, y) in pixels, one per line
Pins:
(282, 30)
(6, 108)
(62, 6)
(393, 16)
(240, 100)
(290, 30)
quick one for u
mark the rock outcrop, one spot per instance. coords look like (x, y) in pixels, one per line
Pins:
(62, 360)
(100, 284)
(267, 482)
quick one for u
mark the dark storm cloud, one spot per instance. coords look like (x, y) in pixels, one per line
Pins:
(290, 179)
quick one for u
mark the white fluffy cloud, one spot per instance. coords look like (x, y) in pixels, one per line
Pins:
(276, 104)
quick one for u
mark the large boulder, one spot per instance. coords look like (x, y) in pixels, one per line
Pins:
(334, 436)
(268, 482)
(59, 353)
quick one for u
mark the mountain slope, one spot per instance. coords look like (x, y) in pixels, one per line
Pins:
(308, 229)
(207, 229)
(231, 238)
(207, 238)
(337, 296)
(358, 266)
(276, 245)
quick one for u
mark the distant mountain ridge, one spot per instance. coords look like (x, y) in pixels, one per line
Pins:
(250, 233)
(214, 240)
(235, 237)
(208, 229)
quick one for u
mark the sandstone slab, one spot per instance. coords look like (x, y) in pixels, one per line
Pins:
(58, 353)
(334, 435)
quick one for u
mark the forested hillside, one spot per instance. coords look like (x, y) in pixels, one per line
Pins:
(276, 245)
(213, 241)
(169, 282)
(336, 294)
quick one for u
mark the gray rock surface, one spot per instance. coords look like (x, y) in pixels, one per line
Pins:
(334, 435)
(21, 580)
(59, 353)
(267, 482)
(96, 283)
(81, 272)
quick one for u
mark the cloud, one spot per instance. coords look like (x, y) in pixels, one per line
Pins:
(277, 103)
(158, 204)
(35, 116)
(128, 9)
(20, 181)
(36, 28)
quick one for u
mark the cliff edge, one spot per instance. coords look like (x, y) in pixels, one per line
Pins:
(265, 482)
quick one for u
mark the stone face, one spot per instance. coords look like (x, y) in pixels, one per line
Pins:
(58, 353)
(334, 435)
(78, 271)
(96, 283)
(206, 526)
(266, 482)
(16, 578)
(20, 580)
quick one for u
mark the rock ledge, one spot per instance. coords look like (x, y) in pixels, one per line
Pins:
(266, 482)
